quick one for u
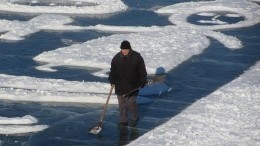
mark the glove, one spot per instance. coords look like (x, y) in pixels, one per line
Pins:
(112, 82)
(149, 82)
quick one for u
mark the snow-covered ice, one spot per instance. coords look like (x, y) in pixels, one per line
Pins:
(20, 125)
(203, 123)
(93, 7)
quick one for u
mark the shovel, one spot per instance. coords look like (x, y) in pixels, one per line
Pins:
(155, 79)
(97, 129)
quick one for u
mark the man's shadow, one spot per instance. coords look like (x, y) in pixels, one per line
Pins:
(201, 75)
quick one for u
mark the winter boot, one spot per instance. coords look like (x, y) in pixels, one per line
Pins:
(133, 123)
(122, 125)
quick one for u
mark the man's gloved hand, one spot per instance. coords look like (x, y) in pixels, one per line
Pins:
(112, 83)
(150, 82)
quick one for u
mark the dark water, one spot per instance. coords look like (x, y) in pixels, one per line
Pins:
(195, 78)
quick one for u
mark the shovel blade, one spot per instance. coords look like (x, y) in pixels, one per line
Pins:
(95, 130)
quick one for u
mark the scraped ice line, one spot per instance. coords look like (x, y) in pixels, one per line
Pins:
(174, 101)
(172, 110)
(153, 120)
(194, 87)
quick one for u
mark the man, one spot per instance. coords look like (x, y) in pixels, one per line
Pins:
(127, 73)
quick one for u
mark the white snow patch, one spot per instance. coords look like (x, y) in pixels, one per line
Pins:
(21, 129)
(99, 7)
(20, 125)
(28, 119)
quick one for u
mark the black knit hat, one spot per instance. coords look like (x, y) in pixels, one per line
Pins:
(125, 45)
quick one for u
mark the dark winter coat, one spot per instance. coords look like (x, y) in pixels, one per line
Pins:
(127, 72)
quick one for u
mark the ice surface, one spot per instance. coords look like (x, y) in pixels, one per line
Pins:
(203, 123)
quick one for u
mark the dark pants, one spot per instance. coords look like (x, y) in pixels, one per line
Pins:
(127, 105)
